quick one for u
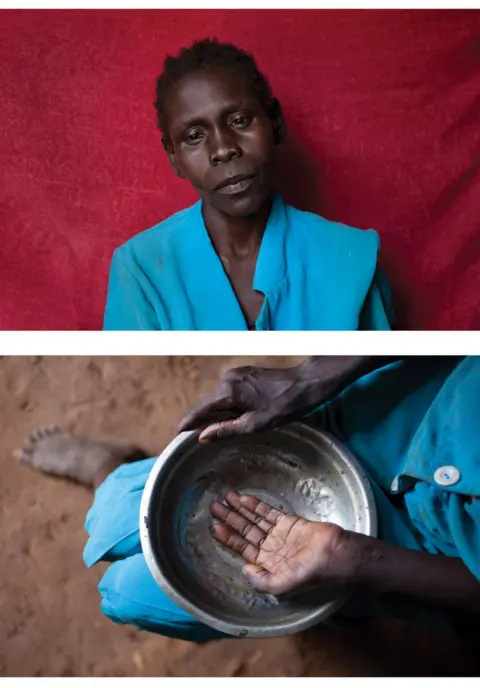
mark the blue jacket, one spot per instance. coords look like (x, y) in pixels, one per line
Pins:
(315, 275)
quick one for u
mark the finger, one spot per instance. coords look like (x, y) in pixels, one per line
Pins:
(238, 523)
(233, 499)
(235, 542)
(259, 508)
(203, 411)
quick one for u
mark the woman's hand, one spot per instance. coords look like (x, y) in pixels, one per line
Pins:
(259, 399)
(283, 552)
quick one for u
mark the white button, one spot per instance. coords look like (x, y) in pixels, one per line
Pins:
(395, 484)
(446, 475)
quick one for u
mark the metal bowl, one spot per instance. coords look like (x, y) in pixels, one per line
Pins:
(297, 469)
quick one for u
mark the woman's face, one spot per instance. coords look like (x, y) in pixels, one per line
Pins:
(221, 139)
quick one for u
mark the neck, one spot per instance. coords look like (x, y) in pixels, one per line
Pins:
(236, 237)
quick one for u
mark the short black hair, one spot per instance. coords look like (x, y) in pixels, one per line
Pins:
(205, 54)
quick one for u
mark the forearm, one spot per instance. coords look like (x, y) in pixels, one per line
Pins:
(322, 377)
(435, 579)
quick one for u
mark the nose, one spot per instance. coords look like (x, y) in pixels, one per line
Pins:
(224, 146)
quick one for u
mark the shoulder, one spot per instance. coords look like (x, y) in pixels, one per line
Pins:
(159, 239)
(314, 230)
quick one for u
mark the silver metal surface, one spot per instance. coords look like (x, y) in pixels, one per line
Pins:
(298, 469)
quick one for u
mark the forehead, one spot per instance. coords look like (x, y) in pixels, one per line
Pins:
(203, 94)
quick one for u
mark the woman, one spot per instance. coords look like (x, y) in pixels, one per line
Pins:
(412, 424)
(240, 258)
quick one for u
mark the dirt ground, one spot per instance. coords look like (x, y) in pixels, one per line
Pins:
(50, 619)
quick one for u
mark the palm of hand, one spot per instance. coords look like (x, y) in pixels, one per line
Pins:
(283, 552)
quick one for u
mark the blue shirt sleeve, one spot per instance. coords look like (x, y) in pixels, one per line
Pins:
(377, 312)
(127, 307)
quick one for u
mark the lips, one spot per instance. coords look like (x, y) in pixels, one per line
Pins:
(236, 184)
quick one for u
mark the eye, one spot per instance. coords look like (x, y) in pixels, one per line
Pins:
(240, 121)
(193, 137)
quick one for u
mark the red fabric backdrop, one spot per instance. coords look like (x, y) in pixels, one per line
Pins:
(383, 113)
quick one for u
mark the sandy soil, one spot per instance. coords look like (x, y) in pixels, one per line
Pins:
(50, 621)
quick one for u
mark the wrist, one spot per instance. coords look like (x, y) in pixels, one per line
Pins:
(322, 377)
(347, 558)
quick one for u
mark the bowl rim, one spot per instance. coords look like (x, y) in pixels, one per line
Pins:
(233, 628)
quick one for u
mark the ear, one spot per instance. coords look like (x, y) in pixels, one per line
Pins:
(168, 147)
(278, 123)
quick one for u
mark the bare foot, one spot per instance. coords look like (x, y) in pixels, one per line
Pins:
(51, 450)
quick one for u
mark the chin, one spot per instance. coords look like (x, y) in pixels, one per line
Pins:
(244, 205)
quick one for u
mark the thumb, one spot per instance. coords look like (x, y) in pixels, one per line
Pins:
(227, 428)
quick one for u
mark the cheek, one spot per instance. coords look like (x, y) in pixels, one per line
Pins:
(261, 144)
(193, 163)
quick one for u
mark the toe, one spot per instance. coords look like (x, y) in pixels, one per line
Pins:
(22, 455)
(53, 430)
(25, 457)
(31, 439)
(41, 433)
